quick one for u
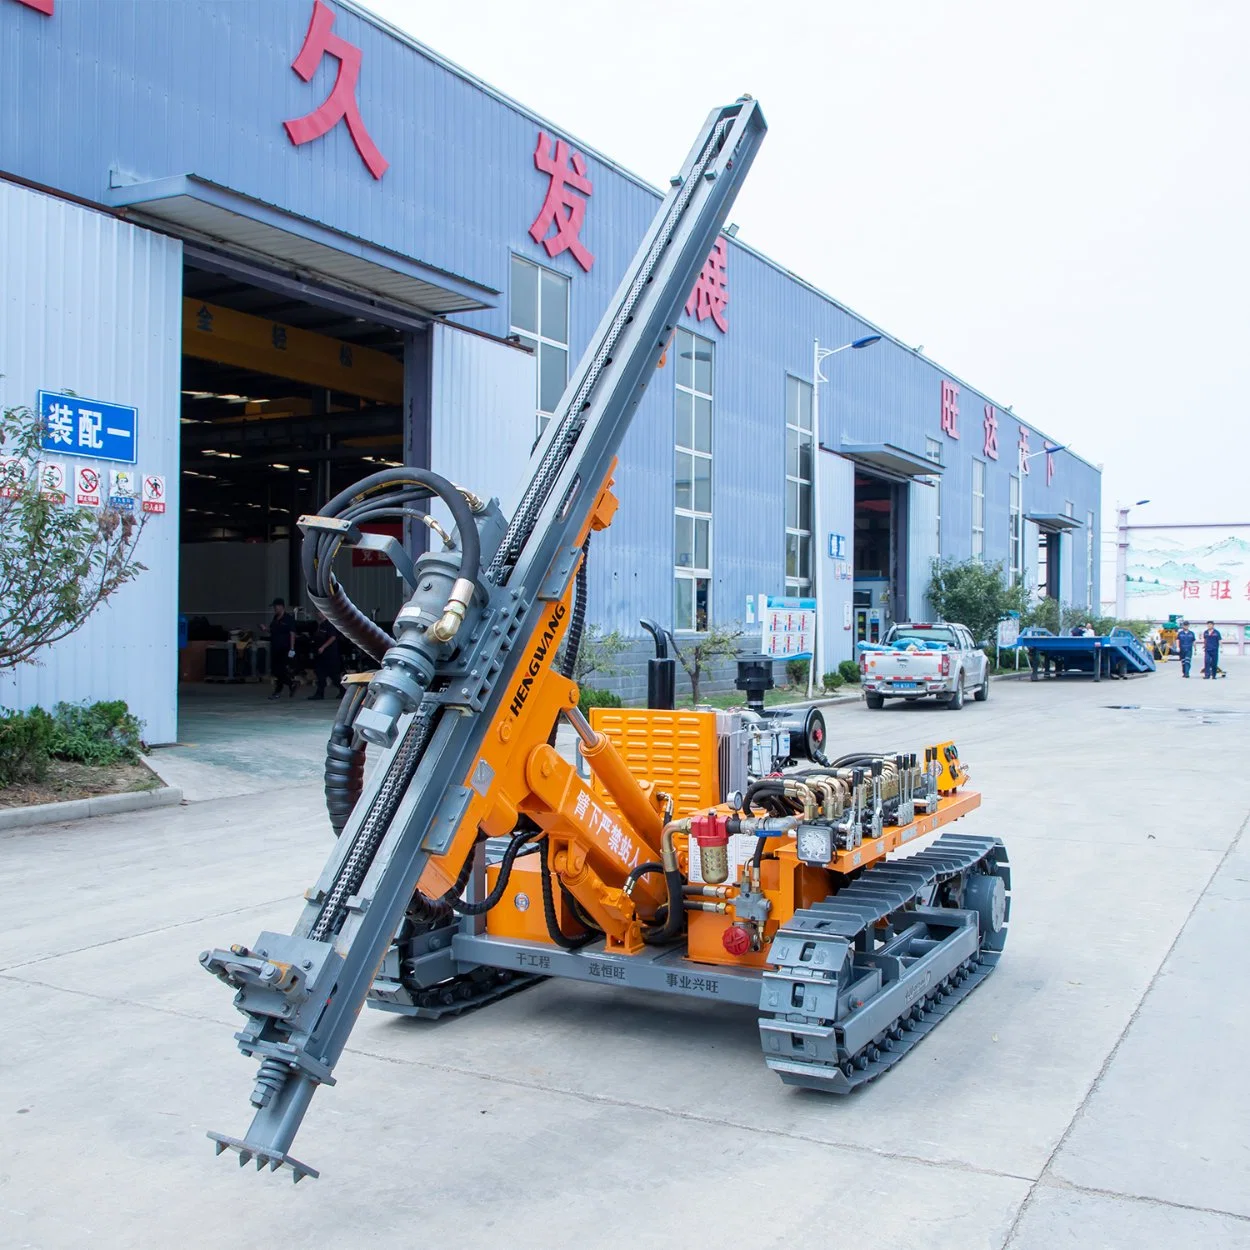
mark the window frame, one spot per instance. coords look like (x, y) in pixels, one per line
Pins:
(536, 339)
(694, 574)
(1015, 523)
(933, 453)
(799, 586)
(978, 510)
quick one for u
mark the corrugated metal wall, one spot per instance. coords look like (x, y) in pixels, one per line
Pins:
(481, 415)
(93, 305)
(837, 486)
(922, 550)
(460, 195)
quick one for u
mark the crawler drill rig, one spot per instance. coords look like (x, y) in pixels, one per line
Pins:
(477, 859)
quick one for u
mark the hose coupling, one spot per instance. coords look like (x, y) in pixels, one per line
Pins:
(448, 625)
(476, 502)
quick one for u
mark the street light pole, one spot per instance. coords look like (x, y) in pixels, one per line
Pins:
(1121, 558)
(819, 355)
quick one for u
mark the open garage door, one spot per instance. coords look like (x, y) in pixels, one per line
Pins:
(285, 402)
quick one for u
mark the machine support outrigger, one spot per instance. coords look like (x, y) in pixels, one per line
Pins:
(477, 858)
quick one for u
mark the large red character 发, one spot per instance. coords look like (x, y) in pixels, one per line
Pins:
(563, 206)
(710, 296)
(340, 104)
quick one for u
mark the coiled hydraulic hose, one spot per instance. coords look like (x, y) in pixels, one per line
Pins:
(379, 494)
(345, 760)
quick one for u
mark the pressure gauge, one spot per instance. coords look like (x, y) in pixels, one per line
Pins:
(814, 844)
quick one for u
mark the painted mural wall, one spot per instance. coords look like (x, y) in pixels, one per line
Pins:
(1200, 572)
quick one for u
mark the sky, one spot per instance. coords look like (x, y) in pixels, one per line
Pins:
(1053, 199)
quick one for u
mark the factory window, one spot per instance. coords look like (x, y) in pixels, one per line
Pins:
(692, 496)
(1016, 521)
(978, 509)
(798, 487)
(1089, 561)
(539, 305)
(933, 451)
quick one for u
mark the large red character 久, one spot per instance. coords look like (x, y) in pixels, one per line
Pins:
(340, 104)
(563, 206)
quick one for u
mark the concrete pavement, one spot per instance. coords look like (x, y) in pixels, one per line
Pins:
(1091, 1094)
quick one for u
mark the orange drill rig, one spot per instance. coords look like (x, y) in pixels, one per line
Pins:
(478, 859)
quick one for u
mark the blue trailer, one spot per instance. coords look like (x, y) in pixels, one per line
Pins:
(1116, 654)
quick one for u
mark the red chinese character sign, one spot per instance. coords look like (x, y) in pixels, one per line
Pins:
(990, 447)
(1179, 568)
(710, 296)
(40, 6)
(1022, 449)
(950, 409)
(1050, 466)
(340, 104)
(564, 206)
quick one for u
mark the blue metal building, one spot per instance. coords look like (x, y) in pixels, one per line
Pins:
(301, 168)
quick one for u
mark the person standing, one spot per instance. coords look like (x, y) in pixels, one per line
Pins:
(327, 661)
(1210, 651)
(1185, 640)
(281, 649)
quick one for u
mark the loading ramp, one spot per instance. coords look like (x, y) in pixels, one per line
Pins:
(1116, 654)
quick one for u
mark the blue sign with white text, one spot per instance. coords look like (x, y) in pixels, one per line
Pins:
(88, 427)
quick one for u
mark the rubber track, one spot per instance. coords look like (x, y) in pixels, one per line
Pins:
(483, 990)
(878, 893)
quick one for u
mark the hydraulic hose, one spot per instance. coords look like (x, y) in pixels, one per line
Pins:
(379, 494)
(669, 925)
(356, 499)
(345, 760)
(549, 906)
(640, 871)
(351, 622)
(481, 907)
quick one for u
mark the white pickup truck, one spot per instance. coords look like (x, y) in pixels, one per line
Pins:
(919, 661)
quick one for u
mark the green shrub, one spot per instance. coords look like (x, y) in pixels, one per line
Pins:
(796, 672)
(593, 696)
(977, 595)
(849, 672)
(96, 733)
(25, 745)
(831, 681)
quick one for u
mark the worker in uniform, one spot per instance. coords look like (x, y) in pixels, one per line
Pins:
(327, 661)
(1185, 640)
(281, 649)
(1210, 651)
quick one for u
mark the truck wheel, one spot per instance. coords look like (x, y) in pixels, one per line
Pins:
(956, 700)
(874, 701)
(983, 690)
